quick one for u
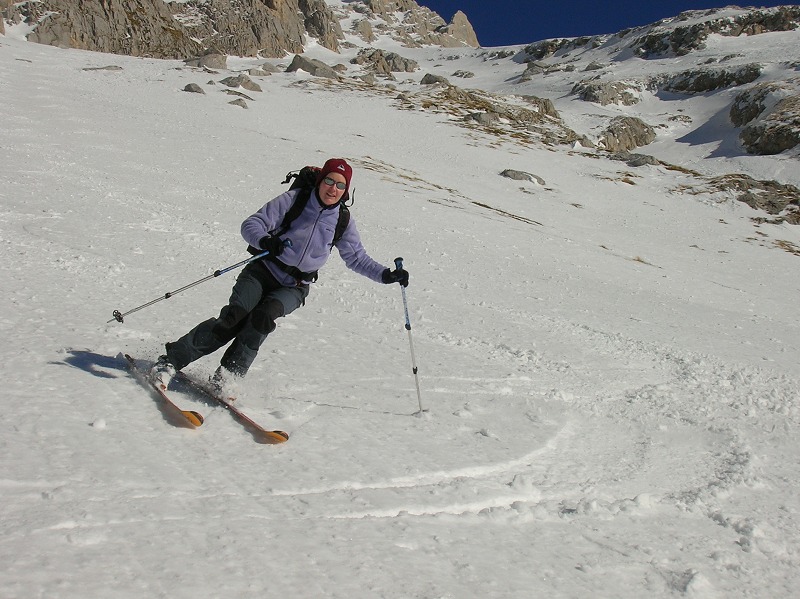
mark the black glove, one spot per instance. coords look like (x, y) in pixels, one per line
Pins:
(399, 275)
(274, 245)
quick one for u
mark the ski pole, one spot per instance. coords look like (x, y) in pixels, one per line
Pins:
(398, 264)
(120, 317)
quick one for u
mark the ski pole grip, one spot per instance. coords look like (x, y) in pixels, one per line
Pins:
(398, 263)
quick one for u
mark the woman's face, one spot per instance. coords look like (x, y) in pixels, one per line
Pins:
(329, 193)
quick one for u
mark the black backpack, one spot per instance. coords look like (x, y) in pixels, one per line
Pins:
(305, 179)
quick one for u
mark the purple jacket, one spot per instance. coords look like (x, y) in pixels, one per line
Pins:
(312, 235)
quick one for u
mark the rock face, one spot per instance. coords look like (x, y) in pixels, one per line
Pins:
(770, 115)
(708, 79)
(133, 27)
(461, 30)
(269, 28)
(5, 13)
(251, 27)
(321, 23)
(776, 131)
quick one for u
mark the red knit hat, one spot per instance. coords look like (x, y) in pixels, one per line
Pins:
(336, 165)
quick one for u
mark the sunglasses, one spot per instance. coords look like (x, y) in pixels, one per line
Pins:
(330, 182)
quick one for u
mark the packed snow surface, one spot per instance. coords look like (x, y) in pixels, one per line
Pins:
(609, 363)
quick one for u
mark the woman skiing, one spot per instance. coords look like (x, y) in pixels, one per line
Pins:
(277, 285)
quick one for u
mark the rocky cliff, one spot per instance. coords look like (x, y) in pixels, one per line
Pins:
(269, 28)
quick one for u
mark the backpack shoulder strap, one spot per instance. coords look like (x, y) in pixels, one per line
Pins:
(341, 224)
(294, 210)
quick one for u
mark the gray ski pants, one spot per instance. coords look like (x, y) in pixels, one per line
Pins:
(257, 300)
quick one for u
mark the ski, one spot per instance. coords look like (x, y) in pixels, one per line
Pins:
(260, 433)
(190, 418)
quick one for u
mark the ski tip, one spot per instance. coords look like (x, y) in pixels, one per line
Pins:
(195, 418)
(275, 437)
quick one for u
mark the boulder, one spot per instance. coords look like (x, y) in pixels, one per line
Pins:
(212, 60)
(242, 80)
(193, 88)
(522, 176)
(315, 67)
(430, 79)
(626, 133)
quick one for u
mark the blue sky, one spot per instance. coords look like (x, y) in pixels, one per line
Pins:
(507, 22)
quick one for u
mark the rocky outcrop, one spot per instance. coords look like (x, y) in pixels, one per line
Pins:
(703, 80)
(534, 68)
(609, 92)
(770, 196)
(775, 132)
(711, 79)
(461, 30)
(635, 160)
(669, 38)
(363, 29)
(517, 119)
(384, 63)
(414, 26)
(770, 115)
(321, 23)
(625, 133)
(546, 48)
(682, 40)
(751, 103)
(134, 27)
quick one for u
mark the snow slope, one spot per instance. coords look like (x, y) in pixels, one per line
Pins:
(609, 364)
